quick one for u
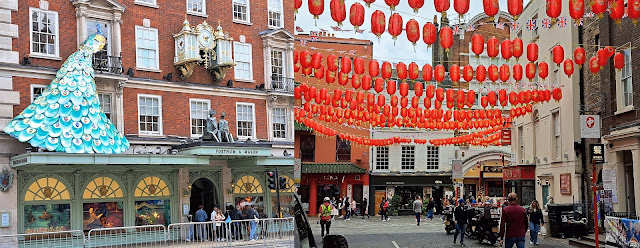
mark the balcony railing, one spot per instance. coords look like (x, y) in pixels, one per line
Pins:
(280, 83)
(105, 63)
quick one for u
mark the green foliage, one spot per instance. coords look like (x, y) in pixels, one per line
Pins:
(396, 201)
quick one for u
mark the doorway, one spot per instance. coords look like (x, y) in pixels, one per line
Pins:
(627, 160)
(203, 193)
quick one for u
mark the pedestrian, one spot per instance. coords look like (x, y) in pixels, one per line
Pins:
(473, 200)
(215, 211)
(383, 210)
(513, 223)
(353, 208)
(430, 207)
(417, 208)
(324, 216)
(201, 216)
(535, 219)
(235, 214)
(221, 230)
(340, 206)
(460, 219)
(365, 208)
(334, 209)
(347, 208)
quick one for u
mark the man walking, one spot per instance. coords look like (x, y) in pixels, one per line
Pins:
(201, 216)
(347, 208)
(365, 208)
(251, 214)
(417, 208)
(325, 216)
(460, 219)
(513, 223)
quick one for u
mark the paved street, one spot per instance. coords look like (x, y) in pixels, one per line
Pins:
(402, 232)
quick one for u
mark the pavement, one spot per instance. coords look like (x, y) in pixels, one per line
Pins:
(402, 232)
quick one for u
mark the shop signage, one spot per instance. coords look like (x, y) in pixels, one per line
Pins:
(395, 183)
(297, 171)
(565, 183)
(511, 173)
(597, 153)
(506, 137)
(457, 171)
(590, 126)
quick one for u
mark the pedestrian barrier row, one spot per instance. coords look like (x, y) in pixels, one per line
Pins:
(273, 232)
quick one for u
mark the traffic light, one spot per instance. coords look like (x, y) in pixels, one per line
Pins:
(282, 183)
(272, 179)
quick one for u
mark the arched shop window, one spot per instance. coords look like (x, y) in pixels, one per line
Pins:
(47, 206)
(152, 202)
(102, 205)
(248, 191)
(286, 200)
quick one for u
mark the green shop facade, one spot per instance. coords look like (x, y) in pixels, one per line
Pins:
(60, 191)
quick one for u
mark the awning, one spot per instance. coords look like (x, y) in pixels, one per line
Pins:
(61, 158)
(341, 168)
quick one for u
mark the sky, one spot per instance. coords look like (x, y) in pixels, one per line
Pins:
(384, 48)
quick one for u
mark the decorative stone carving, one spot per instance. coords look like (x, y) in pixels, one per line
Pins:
(212, 175)
(6, 180)
(186, 70)
(120, 87)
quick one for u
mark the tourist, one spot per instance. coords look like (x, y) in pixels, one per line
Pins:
(417, 208)
(430, 207)
(535, 219)
(353, 208)
(460, 219)
(221, 230)
(473, 200)
(235, 214)
(324, 216)
(213, 228)
(340, 206)
(365, 208)
(513, 223)
(201, 216)
(347, 208)
(384, 207)
(334, 208)
(252, 215)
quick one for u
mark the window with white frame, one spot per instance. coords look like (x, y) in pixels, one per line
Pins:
(242, 57)
(275, 13)
(245, 116)
(241, 10)
(277, 69)
(196, 6)
(150, 114)
(199, 111)
(557, 142)
(521, 142)
(36, 91)
(627, 86)
(382, 158)
(105, 103)
(433, 158)
(44, 32)
(279, 123)
(146, 48)
(408, 158)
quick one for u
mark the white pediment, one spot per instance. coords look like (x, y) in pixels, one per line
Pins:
(279, 34)
(101, 4)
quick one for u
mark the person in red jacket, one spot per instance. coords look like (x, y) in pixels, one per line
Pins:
(514, 220)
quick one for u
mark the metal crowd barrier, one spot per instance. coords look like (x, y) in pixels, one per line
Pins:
(273, 232)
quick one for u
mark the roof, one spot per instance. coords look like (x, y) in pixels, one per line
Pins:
(342, 168)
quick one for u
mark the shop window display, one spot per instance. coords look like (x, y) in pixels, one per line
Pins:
(256, 202)
(153, 212)
(101, 215)
(47, 218)
(286, 206)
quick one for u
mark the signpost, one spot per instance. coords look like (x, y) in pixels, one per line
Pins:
(457, 174)
(590, 126)
(597, 156)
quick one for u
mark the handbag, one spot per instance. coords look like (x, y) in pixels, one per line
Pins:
(228, 220)
(543, 231)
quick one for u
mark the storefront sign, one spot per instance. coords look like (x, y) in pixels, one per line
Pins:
(395, 183)
(457, 171)
(519, 172)
(565, 183)
(511, 173)
(387, 180)
(297, 172)
(590, 126)
(597, 153)
(505, 138)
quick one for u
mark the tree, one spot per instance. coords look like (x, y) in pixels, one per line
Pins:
(396, 201)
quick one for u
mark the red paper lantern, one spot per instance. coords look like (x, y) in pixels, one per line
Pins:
(477, 44)
(404, 90)
(440, 94)
(401, 70)
(616, 10)
(517, 48)
(418, 89)
(369, 2)
(394, 101)
(427, 106)
(338, 11)
(594, 67)
(554, 7)
(449, 95)
(395, 25)
(374, 68)
(492, 97)
(378, 23)
(506, 49)
(618, 61)
(568, 67)
(494, 73)
(386, 70)
(446, 38)
(391, 87)
(413, 71)
(532, 52)
(316, 8)
(543, 70)
(461, 7)
(413, 31)
(513, 98)
(558, 54)
(345, 65)
(319, 73)
(356, 15)
(484, 102)
(378, 85)
(517, 72)
(358, 65)
(515, 8)
(355, 81)
(307, 71)
(330, 77)
(603, 57)
(416, 5)
(439, 73)
(531, 71)
(316, 60)
(557, 94)
(366, 82)
(297, 4)
(471, 98)
(481, 73)
(502, 96)
(504, 73)
(305, 59)
(297, 67)
(392, 3)
(576, 9)
(467, 73)
(633, 10)
(491, 8)
(493, 47)
(343, 78)
(429, 33)
(454, 73)
(430, 91)
(598, 7)
(579, 56)
(427, 73)
(441, 6)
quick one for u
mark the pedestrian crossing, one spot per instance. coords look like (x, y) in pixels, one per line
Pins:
(396, 224)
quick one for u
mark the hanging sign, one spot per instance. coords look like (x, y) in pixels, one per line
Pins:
(457, 171)
(597, 153)
(506, 137)
(297, 172)
(565, 183)
(590, 126)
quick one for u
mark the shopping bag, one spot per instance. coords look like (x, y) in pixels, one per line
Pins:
(228, 220)
(543, 231)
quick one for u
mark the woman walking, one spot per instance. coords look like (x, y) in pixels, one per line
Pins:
(535, 219)
(353, 208)
(430, 207)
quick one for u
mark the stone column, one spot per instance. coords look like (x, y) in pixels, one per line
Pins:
(81, 15)
(635, 154)
(313, 196)
(183, 184)
(116, 47)
(266, 48)
(119, 106)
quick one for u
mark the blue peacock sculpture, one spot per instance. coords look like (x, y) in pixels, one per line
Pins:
(67, 117)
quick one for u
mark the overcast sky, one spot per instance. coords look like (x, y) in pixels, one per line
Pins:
(385, 49)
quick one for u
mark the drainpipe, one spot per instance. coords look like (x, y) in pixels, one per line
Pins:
(583, 145)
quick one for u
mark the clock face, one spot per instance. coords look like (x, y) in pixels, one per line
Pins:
(180, 43)
(206, 39)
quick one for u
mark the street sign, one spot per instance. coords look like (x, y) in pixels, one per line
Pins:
(590, 126)
(506, 137)
(456, 171)
(597, 153)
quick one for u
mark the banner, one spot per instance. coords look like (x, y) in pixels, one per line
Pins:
(621, 231)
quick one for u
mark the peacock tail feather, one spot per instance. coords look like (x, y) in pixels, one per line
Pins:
(67, 117)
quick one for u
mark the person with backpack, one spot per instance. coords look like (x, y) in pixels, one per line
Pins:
(384, 205)
(324, 216)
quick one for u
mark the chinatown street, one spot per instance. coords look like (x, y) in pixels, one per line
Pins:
(402, 232)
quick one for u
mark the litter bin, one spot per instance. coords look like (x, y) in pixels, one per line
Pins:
(566, 220)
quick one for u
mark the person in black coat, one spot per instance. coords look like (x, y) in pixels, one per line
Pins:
(535, 219)
(460, 218)
(235, 214)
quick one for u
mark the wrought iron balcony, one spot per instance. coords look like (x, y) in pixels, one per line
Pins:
(108, 64)
(280, 83)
